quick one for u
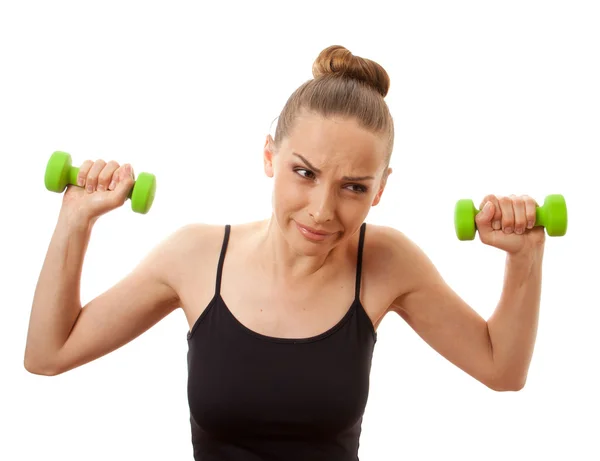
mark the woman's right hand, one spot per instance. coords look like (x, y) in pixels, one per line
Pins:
(102, 188)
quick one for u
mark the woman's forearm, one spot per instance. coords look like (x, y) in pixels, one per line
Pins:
(513, 325)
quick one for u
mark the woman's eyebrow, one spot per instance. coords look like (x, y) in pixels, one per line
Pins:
(345, 178)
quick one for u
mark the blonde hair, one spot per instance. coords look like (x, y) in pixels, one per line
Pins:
(344, 85)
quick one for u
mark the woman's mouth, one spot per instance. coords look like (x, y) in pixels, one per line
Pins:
(311, 233)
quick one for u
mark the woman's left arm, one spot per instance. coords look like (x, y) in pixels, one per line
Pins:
(513, 325)
(496, 352)
(508, 224)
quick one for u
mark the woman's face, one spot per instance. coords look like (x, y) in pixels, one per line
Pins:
(327, 175)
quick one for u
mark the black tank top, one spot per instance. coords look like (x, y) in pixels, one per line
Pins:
(258, 398)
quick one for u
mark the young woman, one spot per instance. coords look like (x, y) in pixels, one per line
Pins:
(283, 312)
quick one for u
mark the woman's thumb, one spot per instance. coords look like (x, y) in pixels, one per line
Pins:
(484, 218)
(125, 183)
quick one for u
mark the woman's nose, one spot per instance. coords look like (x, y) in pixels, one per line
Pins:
(322, 207)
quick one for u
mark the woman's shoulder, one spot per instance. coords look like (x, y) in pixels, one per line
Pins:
(195, 237)
(389, 253)
(384, 241)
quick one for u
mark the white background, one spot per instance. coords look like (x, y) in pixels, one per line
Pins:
(487, 97)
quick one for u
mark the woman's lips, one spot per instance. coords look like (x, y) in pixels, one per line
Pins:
(312, 234)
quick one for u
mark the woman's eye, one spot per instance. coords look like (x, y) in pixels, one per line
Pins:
(309, 174)
(358, 188)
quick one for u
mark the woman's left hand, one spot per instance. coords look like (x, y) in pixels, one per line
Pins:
(508, 223)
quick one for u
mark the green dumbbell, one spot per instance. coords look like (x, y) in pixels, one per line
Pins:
(552, 215)
(60, 173)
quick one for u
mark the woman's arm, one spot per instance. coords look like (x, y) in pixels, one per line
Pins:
(513, 325)
(496, 353)
(64, 335)
(56, 301)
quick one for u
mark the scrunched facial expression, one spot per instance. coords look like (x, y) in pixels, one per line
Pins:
(327, 174)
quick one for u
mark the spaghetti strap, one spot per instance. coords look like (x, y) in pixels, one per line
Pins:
(221, 259)
(361, 242)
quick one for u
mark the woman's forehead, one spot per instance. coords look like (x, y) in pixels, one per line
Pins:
(335, 140)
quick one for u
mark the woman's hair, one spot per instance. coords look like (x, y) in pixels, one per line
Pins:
(343, 85)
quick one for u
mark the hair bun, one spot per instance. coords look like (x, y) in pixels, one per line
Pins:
(337, 60)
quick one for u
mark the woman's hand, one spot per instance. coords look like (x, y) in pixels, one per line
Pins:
(508, 223)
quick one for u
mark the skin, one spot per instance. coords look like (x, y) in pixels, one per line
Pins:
(280, 283)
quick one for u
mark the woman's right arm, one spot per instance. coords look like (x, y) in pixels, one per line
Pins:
(62, 333)
(56, 302)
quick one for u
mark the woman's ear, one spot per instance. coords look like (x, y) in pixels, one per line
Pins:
(268, 154)
(377, 198)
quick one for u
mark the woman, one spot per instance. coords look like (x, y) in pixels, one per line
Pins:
(283, 312)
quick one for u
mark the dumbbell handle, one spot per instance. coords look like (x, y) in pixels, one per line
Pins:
(72, 179)
(541, 216)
